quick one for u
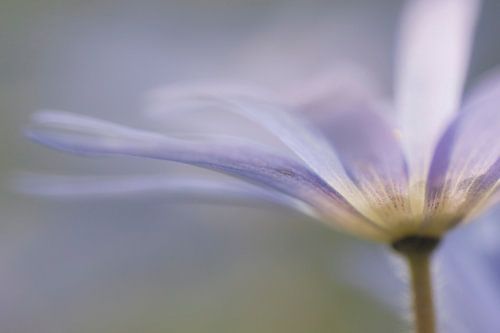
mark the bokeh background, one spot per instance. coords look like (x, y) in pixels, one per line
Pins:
(138, 263)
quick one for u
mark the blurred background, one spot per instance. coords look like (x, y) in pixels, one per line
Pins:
(138, 263)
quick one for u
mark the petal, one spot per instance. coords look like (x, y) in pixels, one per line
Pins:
(293, 131)
(367, 147)
(434, 49)
(466, 161)
(170, 188)
(468, 258)
(491, 202)
(484, 192)
(82, 135)
(344, 81)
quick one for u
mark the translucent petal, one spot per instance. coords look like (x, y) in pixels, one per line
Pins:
(303, 140)
(465, 259)
(434, 48)
(466, 164)
(82, 135)
(491, 202)
(368, 148)
(170, 188)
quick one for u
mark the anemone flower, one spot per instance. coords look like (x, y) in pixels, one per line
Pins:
(404, 183)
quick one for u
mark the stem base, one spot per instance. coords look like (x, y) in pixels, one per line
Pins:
(418, 254)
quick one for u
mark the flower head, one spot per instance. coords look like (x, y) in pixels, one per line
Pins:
(436, 166)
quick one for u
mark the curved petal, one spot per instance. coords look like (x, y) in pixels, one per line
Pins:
(249, 162)
(489, 203)
(484, 194)
(170, 188)
(466, 164)
(434, 48)
(469, 257)
(304, 141)
(463, 302)
(368, 148)
(344, 81)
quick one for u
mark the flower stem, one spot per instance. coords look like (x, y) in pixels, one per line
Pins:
(421, 286)
(418, 254)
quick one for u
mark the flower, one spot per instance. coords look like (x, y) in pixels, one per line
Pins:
(351, 168)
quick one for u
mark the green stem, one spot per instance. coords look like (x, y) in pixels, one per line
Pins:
(418, 254)
(421, 286)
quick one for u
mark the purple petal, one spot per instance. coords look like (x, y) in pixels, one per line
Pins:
(433, 56)
(95, 137)
(466, 159)
(250, 162)
(342, 81)
(172, 189)
(367, 147)
(468, 258)
(366, 144)
(490, 203)
(486, 182)
(293, 131)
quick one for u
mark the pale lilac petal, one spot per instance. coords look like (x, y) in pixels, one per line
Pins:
(466, 161)
(83, 135)
(343, 81)
(484, 192)
(495, 196)
(368, 148)
(486, 182)
(491, 202)
(293, 131)
(434, 49)
(169, 188)
(469, 258)
(476, 306)
(365, 142)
